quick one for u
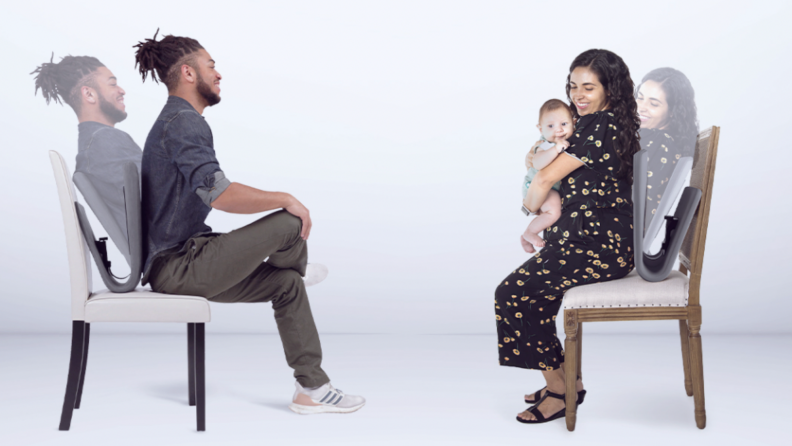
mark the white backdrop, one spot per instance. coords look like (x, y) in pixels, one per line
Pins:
(403, 126)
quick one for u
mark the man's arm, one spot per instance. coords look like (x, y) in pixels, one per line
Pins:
(241, 199)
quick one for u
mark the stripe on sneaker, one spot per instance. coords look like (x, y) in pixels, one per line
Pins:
(330, 392)
(338, 400)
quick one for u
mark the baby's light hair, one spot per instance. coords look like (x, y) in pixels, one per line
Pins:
(552, 105)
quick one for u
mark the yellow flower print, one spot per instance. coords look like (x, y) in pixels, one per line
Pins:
(604, 266)
(500, 345)
(566, 282)
(650, 174)
(528, 344)
(518, 332)
(589, 270)
(606, 156)
(498, 317)
(506, 340)
(619, 200)
(541, 309)
(571, 180)
(506, 358)
(574, 214)
(566, 234)
(512, 339)
(539, 349)
(548, 368)
(518, 316)
(595, 275)
(584, 159)
(663, 160)
(524, 298)
(620, 259)
(597, 262)
(590, 138)
(521, 270)
(618, 237)
(578, 250)
(583, 207)
(563, 262)
(590, 253)
(516, 352)
(554, 317)
(602, 193)
(588, 213)
(610, 233)
(597, 143)
(542, 364)
(520, 283)
(541, 322)
(585, 192)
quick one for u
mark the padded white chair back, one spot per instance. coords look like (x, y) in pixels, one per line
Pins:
(76, 247)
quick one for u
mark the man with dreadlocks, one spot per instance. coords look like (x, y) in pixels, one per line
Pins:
(182, 182)
(93, 93)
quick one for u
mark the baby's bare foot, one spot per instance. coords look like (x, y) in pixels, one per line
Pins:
(527, 246)
(534, 239)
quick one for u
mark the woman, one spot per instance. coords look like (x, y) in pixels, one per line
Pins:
(667, 109)
(591, 241)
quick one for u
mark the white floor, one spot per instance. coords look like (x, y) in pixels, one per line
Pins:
(420, 390)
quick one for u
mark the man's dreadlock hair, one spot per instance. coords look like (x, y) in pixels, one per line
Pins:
(61, 82)
(165, 58)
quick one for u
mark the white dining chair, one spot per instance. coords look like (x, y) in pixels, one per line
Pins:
(140, 305)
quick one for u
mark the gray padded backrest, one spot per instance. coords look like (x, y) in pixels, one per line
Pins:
(672, 190)
(656, 267)
(132, 241)
(117, 233)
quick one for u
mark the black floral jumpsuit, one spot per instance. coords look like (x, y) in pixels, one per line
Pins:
(591, 242)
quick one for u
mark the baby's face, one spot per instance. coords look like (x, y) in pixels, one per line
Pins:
(556, 125)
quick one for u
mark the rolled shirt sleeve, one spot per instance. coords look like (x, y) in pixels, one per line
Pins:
(194, 156)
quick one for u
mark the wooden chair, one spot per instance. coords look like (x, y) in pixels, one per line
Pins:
(634, 299)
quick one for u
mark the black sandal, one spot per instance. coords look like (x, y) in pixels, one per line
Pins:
(538, 414)
(538, 395)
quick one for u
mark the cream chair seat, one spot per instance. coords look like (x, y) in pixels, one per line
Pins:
(630, 291)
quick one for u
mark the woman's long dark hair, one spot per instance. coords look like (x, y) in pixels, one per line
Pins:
(614, 76)
(683, 123)
(61, 82)
(161, 58)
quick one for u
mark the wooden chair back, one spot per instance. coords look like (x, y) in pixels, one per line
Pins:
(691, 255)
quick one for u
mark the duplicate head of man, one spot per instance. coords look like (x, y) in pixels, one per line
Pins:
(183, 65)
(84, 83)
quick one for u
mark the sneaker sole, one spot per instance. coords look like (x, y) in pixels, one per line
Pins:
(308, 410)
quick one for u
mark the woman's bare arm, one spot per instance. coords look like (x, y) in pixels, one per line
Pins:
(544, 180)
(544, 157)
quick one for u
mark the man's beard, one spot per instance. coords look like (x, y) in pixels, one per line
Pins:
(111, 112)
(206, 92)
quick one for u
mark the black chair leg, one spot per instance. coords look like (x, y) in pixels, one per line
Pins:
(200, 381)
(191, 360)
(75, 367)
(84, 365)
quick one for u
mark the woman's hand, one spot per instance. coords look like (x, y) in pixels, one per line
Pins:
(562, 145)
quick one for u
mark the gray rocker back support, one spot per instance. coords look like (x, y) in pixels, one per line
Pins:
(656, 267)
(129, 242)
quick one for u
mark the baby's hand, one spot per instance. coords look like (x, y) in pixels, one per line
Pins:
(562, 145)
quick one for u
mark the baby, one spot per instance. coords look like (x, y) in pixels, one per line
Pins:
(556, 125)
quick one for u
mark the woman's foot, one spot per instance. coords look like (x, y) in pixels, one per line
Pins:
(547, 407)
(529, 399)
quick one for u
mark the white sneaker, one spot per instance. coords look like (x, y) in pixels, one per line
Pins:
(325, 399)
(314, 273)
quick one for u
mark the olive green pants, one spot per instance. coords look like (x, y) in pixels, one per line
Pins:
(231, 268)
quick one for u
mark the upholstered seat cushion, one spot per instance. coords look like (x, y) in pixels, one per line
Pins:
(144, 305)
(630, 291)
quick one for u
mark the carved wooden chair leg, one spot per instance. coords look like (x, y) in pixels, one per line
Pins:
(697, 365)
(580, 351)
(683, 335)
(73, 381)
(191, 361)
(570, 358)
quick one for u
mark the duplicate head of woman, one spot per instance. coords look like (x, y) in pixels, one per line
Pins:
(600, 80)
(666, 101)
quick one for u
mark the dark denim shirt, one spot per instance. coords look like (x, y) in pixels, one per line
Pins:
(179, 180)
